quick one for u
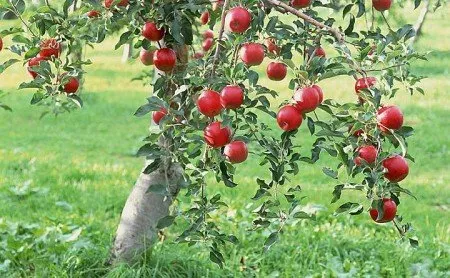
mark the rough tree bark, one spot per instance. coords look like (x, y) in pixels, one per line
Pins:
(137, 229)
(127, 52)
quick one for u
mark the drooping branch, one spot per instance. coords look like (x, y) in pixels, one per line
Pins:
(219, 39)
(280, 5)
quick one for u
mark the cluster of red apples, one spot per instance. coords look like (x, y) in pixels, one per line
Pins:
(389, 118)
(51, 48)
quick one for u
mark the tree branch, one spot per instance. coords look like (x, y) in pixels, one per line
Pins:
(219, 39)
(336, 33)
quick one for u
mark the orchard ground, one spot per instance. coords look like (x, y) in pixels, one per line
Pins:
(64, 181)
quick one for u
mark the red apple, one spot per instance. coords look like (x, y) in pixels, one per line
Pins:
(204, 18)
(389, 117)
(319, 92)
(35, 61)
(307, 99)
(198, 55)
(271, 46)
(356, 133)
(208, 34)
(93, 14)
(319, 52)
(397, 168)
(252, 54)
(276, 71)
(364, 83)
(146, 57)
(366, 153)
(207, 44)
(236, 151)
(231, 97)
(158, 115)
(1, 44)
(389, 211)
(165, 59)
(49, 48)
(208, 103)
(151, 32)
(122, 3)
(217, 135)
(381, 5)
(71, 87)
(238, 20)
(289, 118)
(300, 3)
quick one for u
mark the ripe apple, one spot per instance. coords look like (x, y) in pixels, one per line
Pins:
(356, 133)
(300, 3)
(307, 99)
(381, 5)
(231, 97)
(164, 59)
(207, 44)
(1, 44)
(238, 20)
(276, 71)
(319, 52)
(252, 54)
(289, 118)
(151, 32)
(208, 34)
(389, 117)
(93, 14)
(397, 168)
(71, 87)
(122, 3)
(217, 135)
(35, 61)
(236, 151)
(367, 153)
(208, 103)
(158, 115)
(146, 57)
(198, 55)
(364, 83)
(49, 48)
(319, 92)
(271, 46)
(204, 18)
(389, 211)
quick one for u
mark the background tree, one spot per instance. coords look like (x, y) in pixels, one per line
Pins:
(366, 137)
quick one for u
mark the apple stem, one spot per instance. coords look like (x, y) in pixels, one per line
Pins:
(219, 39)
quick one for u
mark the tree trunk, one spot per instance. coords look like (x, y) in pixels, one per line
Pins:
(127, 52)
(137, 230)
(421, 20)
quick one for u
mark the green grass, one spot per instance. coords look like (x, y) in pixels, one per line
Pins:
(75, 172)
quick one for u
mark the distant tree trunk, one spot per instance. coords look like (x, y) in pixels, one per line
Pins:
(137, 230)
(421, 20)
(127, 52)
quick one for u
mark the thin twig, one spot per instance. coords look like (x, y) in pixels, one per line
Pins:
(336, 33)
(390, 67)
(387, 23)
(16, 12)
(219, 39)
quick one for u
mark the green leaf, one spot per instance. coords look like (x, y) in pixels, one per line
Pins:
(124, 38)
(7, 64)
(270, 241)
(330, 172)
(352, 208)
(165, 222)
(216, 257)
(37, 97)
(32, 52)
(152, 166)
(351, 25)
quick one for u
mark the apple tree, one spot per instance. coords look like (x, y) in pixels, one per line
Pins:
(211, 109)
